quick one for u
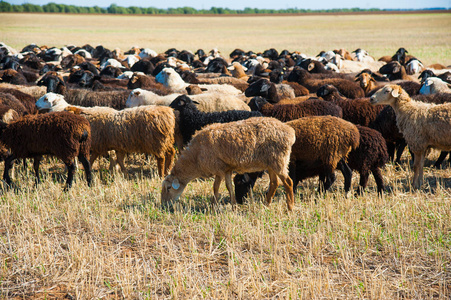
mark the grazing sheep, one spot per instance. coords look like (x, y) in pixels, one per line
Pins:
(385, 123)
(33, 90)
(251, 145)
(87, 98)
(12, 102)
(13, 77)
(395, 71)
(270, 91)
(147, 83)
(208, 102)
(61, 134)
(26, 99)
(357, 111)
(370, 155)
(288, 112)
(348, 88)
(192, 119)
(172, 80)
(147, 129)
(322, 144)
(434, 85)
(423, 125)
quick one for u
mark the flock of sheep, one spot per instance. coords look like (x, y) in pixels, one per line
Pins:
(285, 113)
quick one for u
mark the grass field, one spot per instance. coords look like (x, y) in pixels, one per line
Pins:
(115, 241)
(425, 35)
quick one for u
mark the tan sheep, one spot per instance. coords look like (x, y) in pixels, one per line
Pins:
(147, 129)
(250, 145)
(423, 125)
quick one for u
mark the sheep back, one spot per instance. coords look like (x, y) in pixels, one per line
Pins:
(62, 134)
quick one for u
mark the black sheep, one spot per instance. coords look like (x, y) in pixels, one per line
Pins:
(370, 155)
(191, 119)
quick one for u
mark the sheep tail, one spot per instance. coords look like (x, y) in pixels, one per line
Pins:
(84, 136)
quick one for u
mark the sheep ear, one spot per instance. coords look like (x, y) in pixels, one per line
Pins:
(231, 68)
(357, 78)
(203, 89)
(395, 93)
(310, 67)
(195, 102)
(265, 87)
(175, 184)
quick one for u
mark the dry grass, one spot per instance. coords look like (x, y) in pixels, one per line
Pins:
(425, 35)
(115, 241)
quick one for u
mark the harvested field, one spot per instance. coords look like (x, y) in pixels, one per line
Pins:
(115, 240)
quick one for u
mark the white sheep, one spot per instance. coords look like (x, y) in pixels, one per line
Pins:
(250, 145)
(111, 62)
(423, 125)
(172, 80)
(147, 52)
(414, 66)
(147, 129)
(208, 102)
(434, 85)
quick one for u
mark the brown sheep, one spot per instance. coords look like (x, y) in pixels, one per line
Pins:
(147, 83)
(288, 112)
(61, 134)
(348, 88)
(13, 77)
(26, 99)
(250, 145)
(357, 111)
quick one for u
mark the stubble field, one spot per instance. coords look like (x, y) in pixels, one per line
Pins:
(115, 241)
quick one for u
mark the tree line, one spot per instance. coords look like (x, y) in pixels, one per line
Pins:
(133, 10)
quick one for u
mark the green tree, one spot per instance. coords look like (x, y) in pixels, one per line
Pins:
(5, 7)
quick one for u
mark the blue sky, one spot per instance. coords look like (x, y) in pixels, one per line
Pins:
(240, 4)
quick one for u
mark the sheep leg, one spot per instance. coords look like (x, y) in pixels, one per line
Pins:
(379, 180)
(328, 181)
(70, 174)
(400, 149)
(169, 159)
(288, 185)
(36, 162)
(441, 158)
(93, 158)
(418, 164)
(229, 185)
(364, 175)
(216, 185)
(87, 167)
(347, 174)
(391, 150)
(273, 183)
(161, 166)
(292, 174)
(9, 161)
(120, 156)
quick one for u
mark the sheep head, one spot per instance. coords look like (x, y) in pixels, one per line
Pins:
(326, 90)
(391, 68)
(257, 103)
(389, 94)
(434, 85)
(364, 80)
(425, 75)
(258, 88)
(171, 189)
(181, 102)
(51, 102)
(51, 80)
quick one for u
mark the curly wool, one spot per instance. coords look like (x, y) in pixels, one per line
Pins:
(192, 119)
